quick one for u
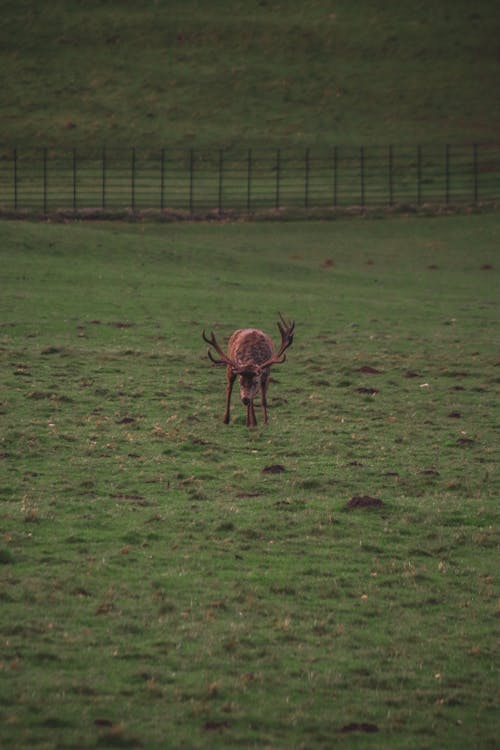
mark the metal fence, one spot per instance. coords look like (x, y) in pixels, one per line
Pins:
(247, 180)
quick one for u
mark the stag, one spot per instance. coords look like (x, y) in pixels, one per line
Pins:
(250, 354)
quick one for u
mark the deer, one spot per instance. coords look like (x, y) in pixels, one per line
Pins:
(250, 355)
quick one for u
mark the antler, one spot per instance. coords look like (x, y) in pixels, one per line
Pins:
(224, 359)
(286, 330)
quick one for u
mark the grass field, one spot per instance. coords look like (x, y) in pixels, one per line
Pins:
(330, 579)
(247, 74)
(168, 581)
(273, 183)
(244, 107)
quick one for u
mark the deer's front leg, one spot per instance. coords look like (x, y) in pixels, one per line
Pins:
(231, 377)
(251, 418)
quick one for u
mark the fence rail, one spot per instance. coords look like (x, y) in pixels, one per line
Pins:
(248, 180)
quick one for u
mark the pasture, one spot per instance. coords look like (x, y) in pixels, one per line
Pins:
(327, 580)
(233, 74)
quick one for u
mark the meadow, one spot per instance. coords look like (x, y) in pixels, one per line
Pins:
(326, 580)
(247, 107)
(155, 74)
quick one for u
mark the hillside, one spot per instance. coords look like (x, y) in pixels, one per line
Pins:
(198, 73)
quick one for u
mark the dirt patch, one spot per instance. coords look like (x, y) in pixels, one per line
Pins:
(211, 726)
(361, 727)
(121, 496)
(364, 501)
(103, 723)
(274, 469)
(368, 391)
(367, 370)
(465, 441)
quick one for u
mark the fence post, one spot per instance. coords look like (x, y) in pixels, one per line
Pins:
(278, 176)
(45, 202)
(475, 168)
(132, 179)
(419, 175)
(335, 174)
(362, 174)
(74, 180)
(15, 180)
(103, 185)
(373, 173)
(306, 178)
(221, 170)
(162, 179)
(249, 180)
(191, 180)
(447, 173)
(391, 175)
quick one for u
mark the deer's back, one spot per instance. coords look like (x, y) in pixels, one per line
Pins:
(250, 345)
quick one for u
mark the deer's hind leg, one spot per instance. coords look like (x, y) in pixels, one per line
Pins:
(263, 395)
(231, 377)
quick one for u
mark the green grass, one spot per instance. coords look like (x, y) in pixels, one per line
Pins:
(159, 589)
(181, 73)
(177, 183)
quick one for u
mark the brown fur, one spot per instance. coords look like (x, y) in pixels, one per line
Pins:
(249, 347)
(250, 355)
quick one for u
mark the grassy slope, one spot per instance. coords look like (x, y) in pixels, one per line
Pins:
(229, 72)
(155, 582)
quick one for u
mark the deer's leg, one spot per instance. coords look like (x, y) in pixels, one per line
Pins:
(251, 419)
(231, 377)
(263, 391)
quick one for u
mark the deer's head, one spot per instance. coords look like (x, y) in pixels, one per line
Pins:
(250, 376)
